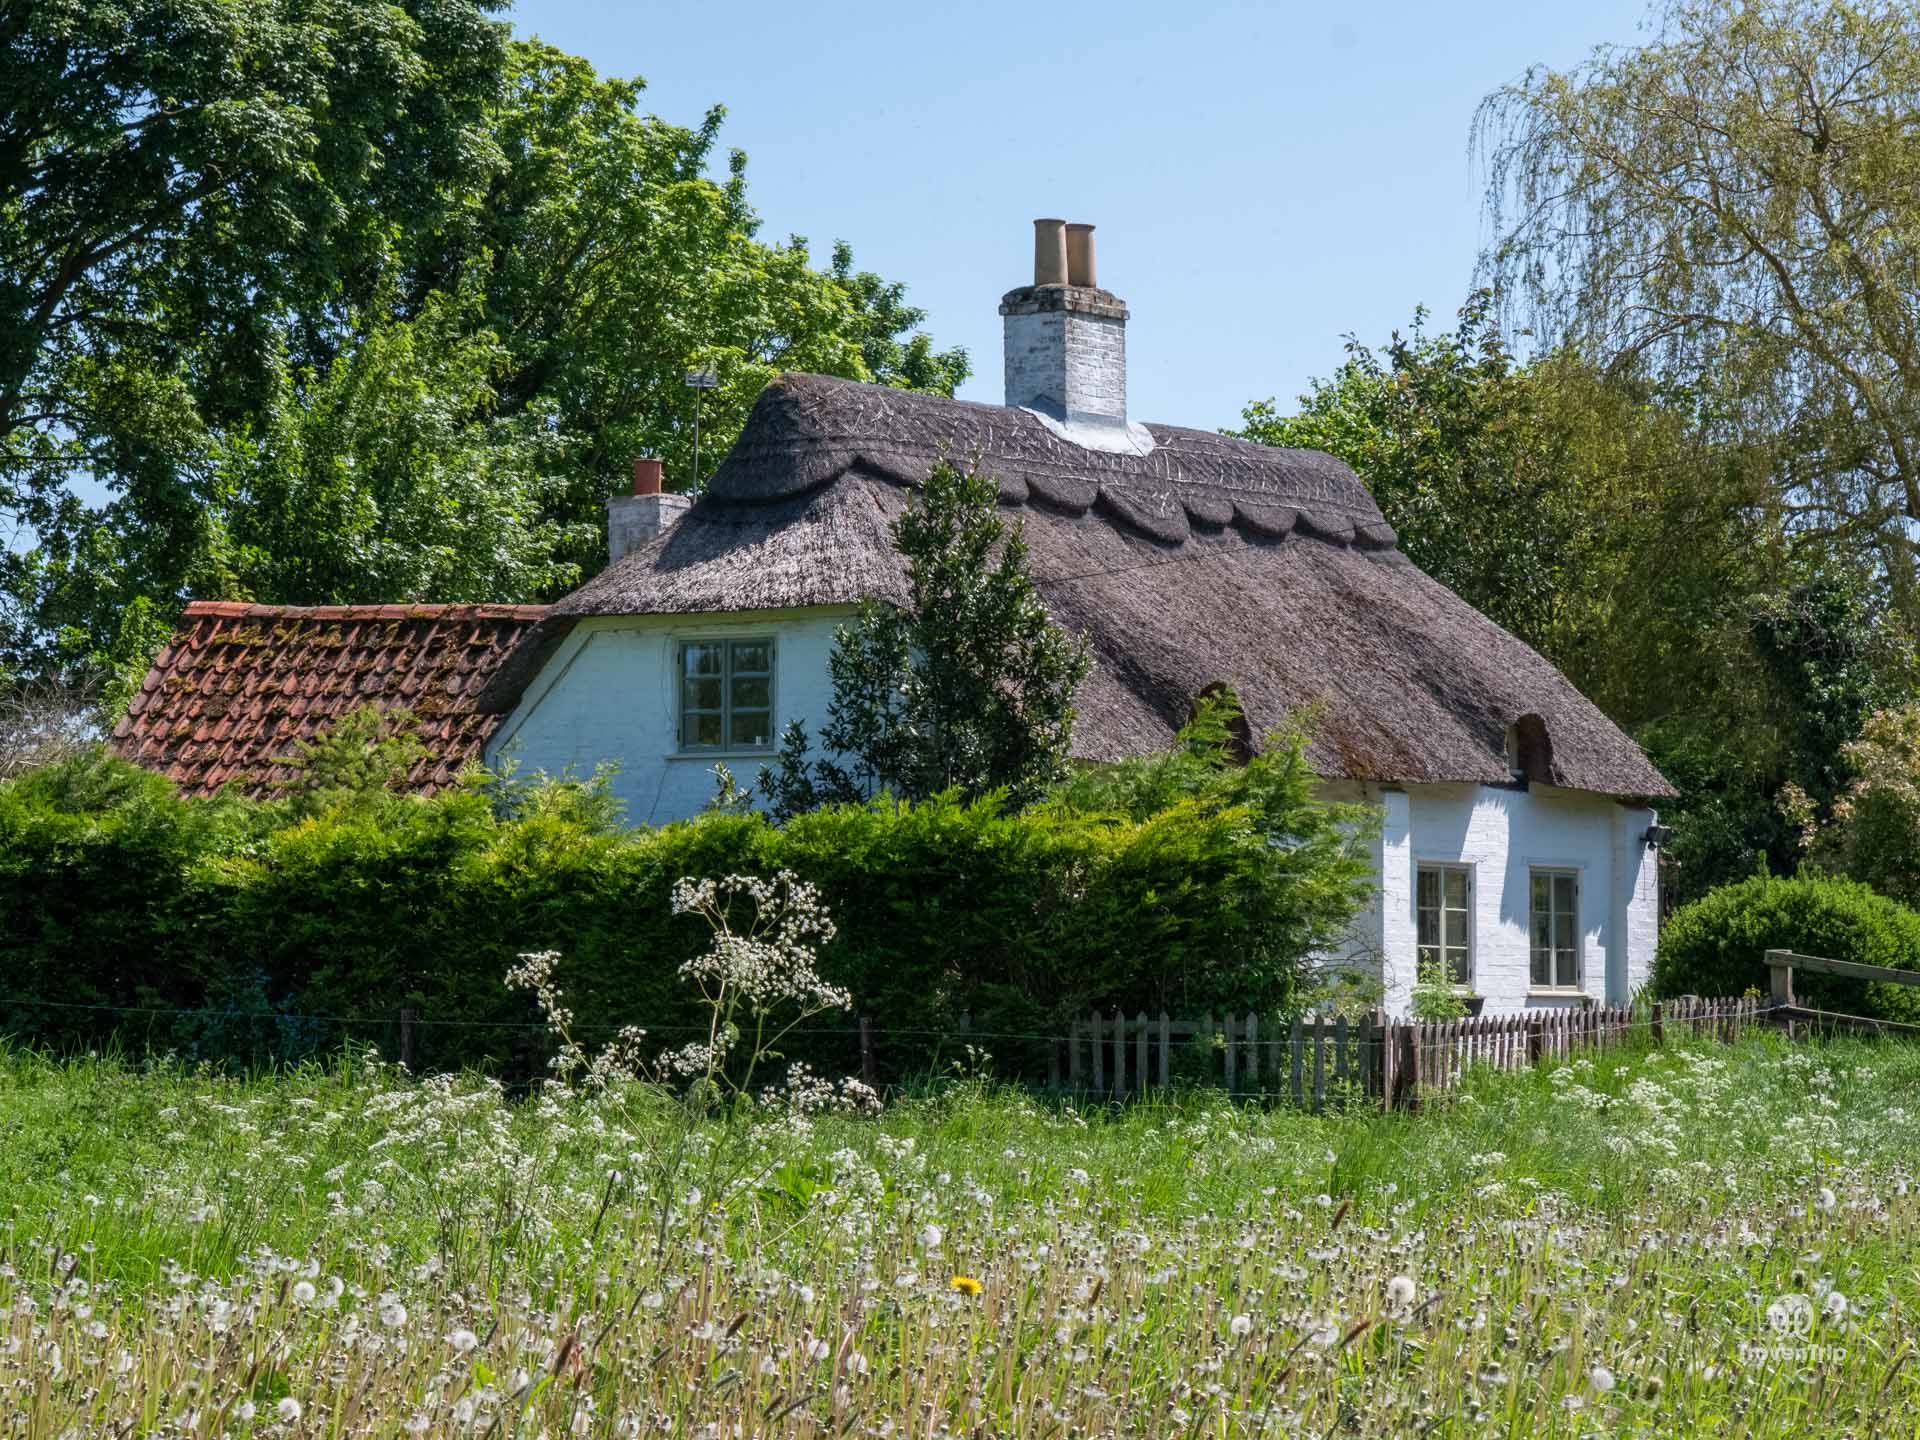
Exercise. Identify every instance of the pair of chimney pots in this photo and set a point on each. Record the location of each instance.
(1063, 254)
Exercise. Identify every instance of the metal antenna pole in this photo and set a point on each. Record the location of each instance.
(696, 381)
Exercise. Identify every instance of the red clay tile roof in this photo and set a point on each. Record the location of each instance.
(239, 685)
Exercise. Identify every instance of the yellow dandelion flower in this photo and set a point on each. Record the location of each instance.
(967, 1285)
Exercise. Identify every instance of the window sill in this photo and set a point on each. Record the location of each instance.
(712, 755)
(1555, 992)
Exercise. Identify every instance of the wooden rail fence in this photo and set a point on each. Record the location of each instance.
(1788, 1010)
(1368, 1059)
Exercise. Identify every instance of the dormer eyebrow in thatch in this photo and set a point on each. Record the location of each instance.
(1207, 560)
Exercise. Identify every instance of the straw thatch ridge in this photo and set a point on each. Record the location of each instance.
(1208, 561)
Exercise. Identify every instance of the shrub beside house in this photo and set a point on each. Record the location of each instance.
(130, 913)
(1516, 850)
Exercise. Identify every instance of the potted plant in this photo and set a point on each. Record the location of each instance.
(1435, 996)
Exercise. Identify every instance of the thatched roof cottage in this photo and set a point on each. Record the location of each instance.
(1518, 844)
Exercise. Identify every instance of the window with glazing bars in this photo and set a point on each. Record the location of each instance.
(1444, 905)
(1556, 930)
(726, 695)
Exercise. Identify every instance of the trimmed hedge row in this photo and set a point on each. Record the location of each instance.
(1716, 945)
(266, 932)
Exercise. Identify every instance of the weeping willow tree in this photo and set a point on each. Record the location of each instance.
(1736, 206)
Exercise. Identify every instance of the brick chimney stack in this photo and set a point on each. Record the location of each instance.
(1066, 338)
(633, 520)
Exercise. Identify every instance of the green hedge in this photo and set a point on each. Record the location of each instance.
(263, 932)
(1715, 946)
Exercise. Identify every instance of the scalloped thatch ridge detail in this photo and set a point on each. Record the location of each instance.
(1209, 560)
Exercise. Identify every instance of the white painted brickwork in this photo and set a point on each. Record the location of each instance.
(632, 520)
(1066, 354)
(612, 692)
(1499, 835)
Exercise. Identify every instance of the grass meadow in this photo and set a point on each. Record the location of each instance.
(1701, 1239)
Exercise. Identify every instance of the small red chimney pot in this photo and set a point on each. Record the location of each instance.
(646, 475)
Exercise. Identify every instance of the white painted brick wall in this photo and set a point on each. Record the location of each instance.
(1068, 364)
(632, 520)
(612, 692)
(1501, 835)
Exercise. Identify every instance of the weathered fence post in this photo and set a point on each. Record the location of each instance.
(1119, 1052)
(1232, 1073)
(1536, 1039)
(1382, 1037)
(408, 1016)
(1411, 1047)
(866, 1049)
(1659, 1027)
(1780, 982)
(1319, 1063)
(1253, 1053)
(1296, 1048)
(1142, 1077)
(1099, 1060)
(1166, 1048)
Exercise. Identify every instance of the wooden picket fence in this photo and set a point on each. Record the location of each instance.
(1369, 1059)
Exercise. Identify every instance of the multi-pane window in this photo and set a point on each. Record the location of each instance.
(1443, 903)
(726, 695)
(1556, 930)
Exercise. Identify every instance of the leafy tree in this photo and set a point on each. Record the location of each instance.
(883, 318)
(1766, 754)
(1737, 204)
(611, 265)
(367, 305)
(967, 687)
(368, 750)
(176, 179)
(1618, 526)
(1590, 514)
(1872, 833)
(387, 475)
(1447, 432)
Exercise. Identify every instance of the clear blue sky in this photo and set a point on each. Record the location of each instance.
(1265, 177)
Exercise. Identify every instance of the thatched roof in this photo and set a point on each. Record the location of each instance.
(1208, 560)
(239, 686)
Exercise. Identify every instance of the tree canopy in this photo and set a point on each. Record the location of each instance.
(305, 301)
(1737, 205)
(1582, 511)
(968, 688)
(1609, 518)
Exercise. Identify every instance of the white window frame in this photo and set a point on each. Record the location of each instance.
(1443, 868)
(1555, 983)
(727, 645)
